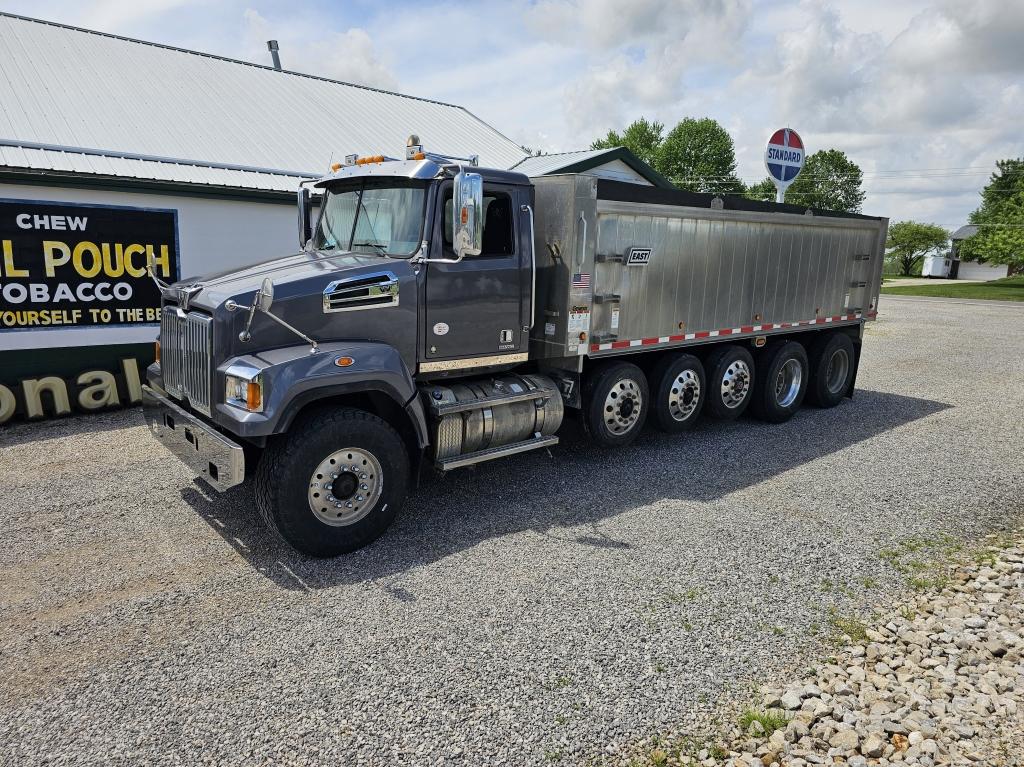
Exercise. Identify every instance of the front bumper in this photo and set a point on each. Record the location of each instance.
(206, 451)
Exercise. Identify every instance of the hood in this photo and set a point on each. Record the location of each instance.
(299, 284)
(301, 273)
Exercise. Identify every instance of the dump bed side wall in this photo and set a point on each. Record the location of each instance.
(709, 272)
(717, 270)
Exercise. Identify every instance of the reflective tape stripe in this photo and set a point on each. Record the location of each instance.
(744, 330)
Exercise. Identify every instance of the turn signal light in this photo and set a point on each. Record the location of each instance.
(344, 362)
(253, 396)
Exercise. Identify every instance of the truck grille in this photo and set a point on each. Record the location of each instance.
(186, 351)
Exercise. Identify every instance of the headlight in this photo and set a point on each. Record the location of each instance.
(244, 392)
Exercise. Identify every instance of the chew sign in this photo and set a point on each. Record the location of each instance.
(65, 264)
(784, 159)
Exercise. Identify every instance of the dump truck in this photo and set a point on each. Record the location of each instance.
(440, 314)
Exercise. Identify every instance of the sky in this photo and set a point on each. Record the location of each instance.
(924, 95)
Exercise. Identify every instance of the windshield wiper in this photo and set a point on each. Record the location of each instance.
(382, 249)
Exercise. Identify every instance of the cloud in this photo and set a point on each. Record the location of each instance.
(896, 85)
(348, 55)
(636, 55)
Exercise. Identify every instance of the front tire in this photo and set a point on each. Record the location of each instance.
(334, 483)
(730, 371)
(679, 393)
(616, 400)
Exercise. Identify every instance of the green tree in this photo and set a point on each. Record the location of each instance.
(642, 137)
(699, 155)
(763, 190)
(1000, 219)
(910, 241)
(829, 181)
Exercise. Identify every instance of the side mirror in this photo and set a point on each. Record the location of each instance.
(265, 298)
(305, 225)
(467, 209)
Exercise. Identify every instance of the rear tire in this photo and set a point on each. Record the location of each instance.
(832, 367)
(679, 392)
(615, 404)
(730, 380)
(782, 381)
(334, 483)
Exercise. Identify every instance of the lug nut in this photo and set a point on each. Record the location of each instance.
(348, 505)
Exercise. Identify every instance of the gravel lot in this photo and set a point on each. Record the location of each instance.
(533, 610)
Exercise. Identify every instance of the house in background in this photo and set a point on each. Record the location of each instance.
(971, 270)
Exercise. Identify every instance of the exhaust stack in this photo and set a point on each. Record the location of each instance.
(272, 47)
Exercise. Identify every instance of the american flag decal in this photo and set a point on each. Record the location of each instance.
(581, 281)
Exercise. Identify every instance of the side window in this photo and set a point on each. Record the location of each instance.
(499, 238)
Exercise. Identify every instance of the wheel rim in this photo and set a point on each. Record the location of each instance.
(787, 383)
(735, 384)
(684, 396)
(623, 405)
(837, 370)
(345, 486)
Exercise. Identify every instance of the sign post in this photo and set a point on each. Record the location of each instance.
(784, 159)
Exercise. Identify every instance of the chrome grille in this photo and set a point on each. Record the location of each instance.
(186, 351)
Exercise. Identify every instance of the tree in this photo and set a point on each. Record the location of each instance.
(829, 181)
(1000, 219)
(762, 190)
(641, 137)
(910, 241)
(699, 155)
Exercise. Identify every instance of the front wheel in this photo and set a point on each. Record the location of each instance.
(334, 483)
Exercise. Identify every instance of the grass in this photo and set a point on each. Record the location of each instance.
(851, 627)
(1006, 289)
(770, 721)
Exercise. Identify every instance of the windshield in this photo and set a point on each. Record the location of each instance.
(380, 216)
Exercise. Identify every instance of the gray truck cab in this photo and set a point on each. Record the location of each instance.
(413, 271)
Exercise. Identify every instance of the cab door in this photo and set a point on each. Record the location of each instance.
(474, 312)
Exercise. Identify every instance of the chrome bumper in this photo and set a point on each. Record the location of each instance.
(207, 452)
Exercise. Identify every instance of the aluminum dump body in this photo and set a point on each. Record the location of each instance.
(623, 267)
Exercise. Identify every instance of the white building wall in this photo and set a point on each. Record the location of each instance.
(213, 234)
(972, 270)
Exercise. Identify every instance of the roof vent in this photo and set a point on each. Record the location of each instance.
(273, 48)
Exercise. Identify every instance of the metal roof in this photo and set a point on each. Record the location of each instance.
(84, 102)
(964, 232)
(586, 159)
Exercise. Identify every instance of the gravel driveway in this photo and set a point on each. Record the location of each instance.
(535, 610)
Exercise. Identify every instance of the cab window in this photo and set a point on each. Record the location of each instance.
(499, 238)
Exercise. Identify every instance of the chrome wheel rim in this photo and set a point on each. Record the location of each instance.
(622, 406)
(345, 486)
(837, 371)
(787, 382)
(735, 384)
(684, 396)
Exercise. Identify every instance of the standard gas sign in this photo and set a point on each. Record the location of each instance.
(70, 265)
(784, 158)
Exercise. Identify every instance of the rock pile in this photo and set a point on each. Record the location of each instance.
(941, 684)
